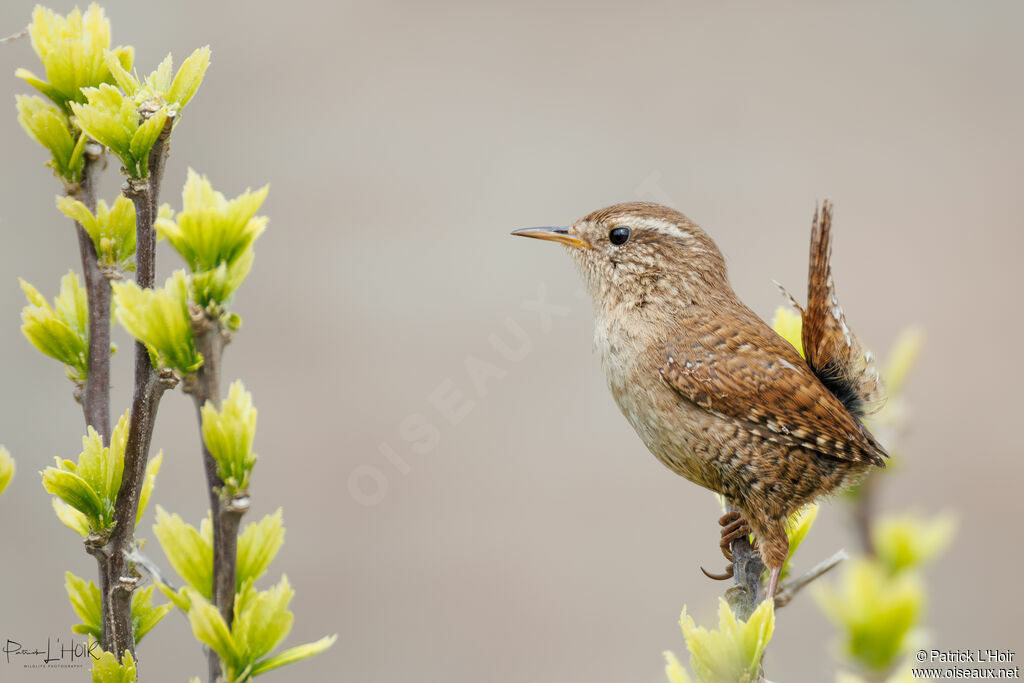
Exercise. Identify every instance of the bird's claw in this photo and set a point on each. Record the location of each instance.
(734, 527)
(727, 574)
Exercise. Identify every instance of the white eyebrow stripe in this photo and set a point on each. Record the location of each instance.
(667, 226)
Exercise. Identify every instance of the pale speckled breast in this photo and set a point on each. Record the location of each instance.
(665, 422)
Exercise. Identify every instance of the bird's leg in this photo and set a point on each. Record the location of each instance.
(733, 527)
(775, 573)
(775, 550)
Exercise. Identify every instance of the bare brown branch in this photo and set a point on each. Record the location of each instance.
(119, 577)
(211, 338)
(95, 398)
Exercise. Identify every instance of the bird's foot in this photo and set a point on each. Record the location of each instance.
(734, 527)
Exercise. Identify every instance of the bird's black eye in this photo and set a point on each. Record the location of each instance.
(619, 236)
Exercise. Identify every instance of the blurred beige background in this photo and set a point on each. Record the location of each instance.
(536, 540)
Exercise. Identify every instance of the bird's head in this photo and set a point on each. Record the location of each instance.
(642, 255)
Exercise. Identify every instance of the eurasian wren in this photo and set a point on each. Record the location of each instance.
(712, 390)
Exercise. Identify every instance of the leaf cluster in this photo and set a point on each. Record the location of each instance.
(130, 117)
(214, 236)
(159, 318)
(261, 619)
(111, 228)
(86, 491)
(228, 434)
(733, 652)
(60, 331)
(95, 94)
(86, 601)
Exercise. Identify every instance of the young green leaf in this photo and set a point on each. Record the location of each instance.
(209, 627)
(76, 492)
(300, 652)
(215, 287)
(902, 358)
(188, 550)
(7, 470)
(189, 77)
(112, 119)
(158, 87)
(123, 78)
(106, 669)
(85, 600)
(61, 331)
(214, 236)
(144, 615)
(877, 611)
(674, 671)
(91, 485)
(262, 620)
(49, 126)
(71, 517)
(159, 318)
(159, 81)
(145, 137)
(112, 230)
(228, 434)
(103, 466)
(258, 544)
(799, 524)
(888, 422)
(910, 540)
(152, 469)
(734, 651)
(88, 488)
(73, 52)
(789, 325)
(179, 597)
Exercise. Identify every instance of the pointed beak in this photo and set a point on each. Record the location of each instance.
(556, 234)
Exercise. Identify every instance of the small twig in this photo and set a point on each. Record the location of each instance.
(746, 594)
(158, 160)
(15, 36)
(204, 386)
(864, 512)
(96, 396)
(789, 590)
(152, 569)
(146, 564)
(120, 578)
(225, 550)
(145, 237)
